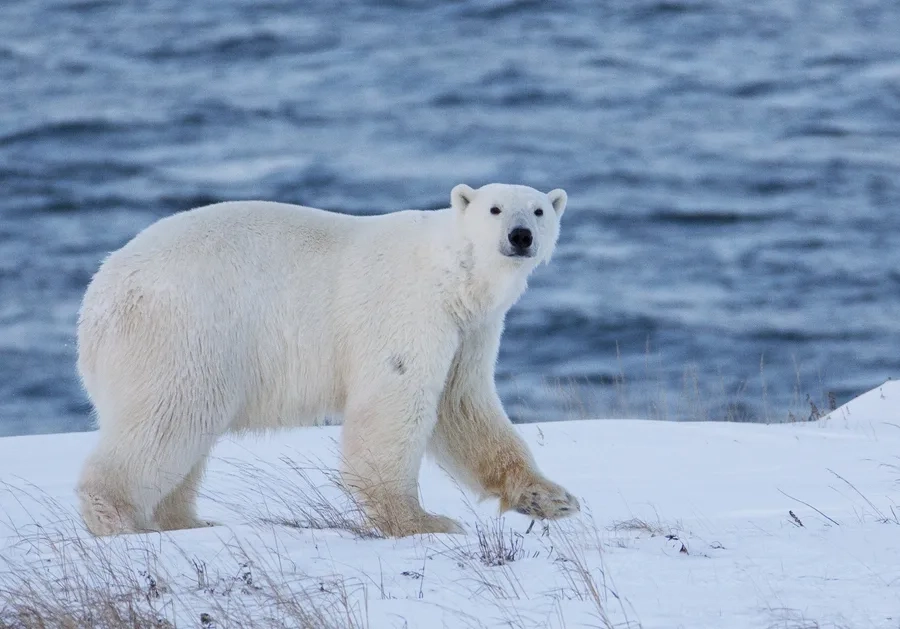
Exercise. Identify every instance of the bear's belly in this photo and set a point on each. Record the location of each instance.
(298, 381)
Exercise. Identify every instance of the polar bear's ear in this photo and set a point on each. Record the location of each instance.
(461, 196)
(558, 198)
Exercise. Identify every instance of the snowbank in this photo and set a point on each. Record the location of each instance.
(686, 525)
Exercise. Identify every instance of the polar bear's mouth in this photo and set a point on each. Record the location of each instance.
(517, 253)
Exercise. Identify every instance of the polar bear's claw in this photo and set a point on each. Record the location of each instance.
(547, 501)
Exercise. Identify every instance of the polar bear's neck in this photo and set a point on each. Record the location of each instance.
(475, 291)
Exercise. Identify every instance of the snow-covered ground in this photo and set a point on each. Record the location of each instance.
(691, 525)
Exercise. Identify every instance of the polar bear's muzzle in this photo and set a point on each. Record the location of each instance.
(520, 241)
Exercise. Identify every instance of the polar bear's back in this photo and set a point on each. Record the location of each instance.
(239, 231)
(235, 292)
(226, 256)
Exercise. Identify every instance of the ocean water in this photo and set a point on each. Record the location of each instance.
(732, 241)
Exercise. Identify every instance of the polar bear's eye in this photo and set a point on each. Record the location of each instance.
(495, 210)
(539, 212)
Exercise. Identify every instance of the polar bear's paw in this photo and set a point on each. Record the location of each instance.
(545, 500)
(440, 524)
(107, 517)
(420, 524)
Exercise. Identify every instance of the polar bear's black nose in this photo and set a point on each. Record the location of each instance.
(520, 238)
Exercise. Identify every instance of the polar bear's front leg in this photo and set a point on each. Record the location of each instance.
(476, 442)
(385, 434)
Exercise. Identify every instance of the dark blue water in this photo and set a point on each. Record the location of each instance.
(733, 170)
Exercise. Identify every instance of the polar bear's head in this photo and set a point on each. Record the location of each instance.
(508, 223)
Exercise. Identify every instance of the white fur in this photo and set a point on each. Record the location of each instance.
(254, 315)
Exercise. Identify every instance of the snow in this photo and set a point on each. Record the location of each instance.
(684, 525)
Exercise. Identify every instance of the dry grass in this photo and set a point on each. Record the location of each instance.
(73, 600)
(53, 575)
(110, 591)
(654, 529)
(307, 495)
(56, 576)
(571, 540)
(654, 391)
(487, 561)
(496, 546)
(787, 618)
(313, 496)
(564, 546)
(881, 516)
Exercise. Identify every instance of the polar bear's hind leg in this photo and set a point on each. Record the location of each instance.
(146, 469)
(178, 510)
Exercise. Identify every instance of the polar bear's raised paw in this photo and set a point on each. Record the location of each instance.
(546, 500)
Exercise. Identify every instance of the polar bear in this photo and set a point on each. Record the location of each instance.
(252, 316)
